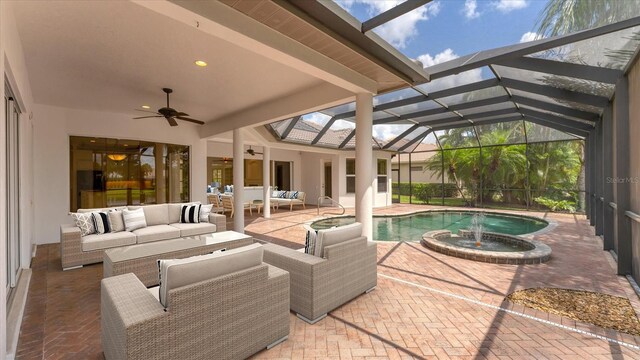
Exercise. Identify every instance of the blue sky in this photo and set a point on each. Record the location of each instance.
(452, 27)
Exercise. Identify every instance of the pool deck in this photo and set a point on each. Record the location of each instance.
(427, 305)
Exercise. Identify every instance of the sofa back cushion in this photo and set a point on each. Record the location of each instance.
(176, 273)
(154, 214)
(336, 235)
(120, 208)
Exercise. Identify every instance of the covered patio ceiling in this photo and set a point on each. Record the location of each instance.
(561, 84)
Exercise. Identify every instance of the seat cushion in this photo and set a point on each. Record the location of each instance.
(107, 241)
(155, 291)
(156, 232)
(336, 235)
(176, 273)
(195, 229)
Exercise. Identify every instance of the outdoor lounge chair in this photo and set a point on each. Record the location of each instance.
(241, 309)
(345, 268)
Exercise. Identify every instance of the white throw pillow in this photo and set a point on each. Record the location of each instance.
(134, 219)
(116, 221)
(85, 222)
(204, 212)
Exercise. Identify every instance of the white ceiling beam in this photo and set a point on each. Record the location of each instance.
(302, 102)
(220, 20)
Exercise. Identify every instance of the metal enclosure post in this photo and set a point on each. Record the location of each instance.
(599, 180)
(622, 176)
(587, 177)
(607, 177)
(410, 183)
(592, 178)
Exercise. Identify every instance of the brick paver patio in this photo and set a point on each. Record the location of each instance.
(426, 305)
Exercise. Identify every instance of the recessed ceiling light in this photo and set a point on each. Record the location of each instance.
(201, 63)
(146, 107)
(126, 145)
(92, 141)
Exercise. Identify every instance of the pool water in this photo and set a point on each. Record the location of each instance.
(411, 227)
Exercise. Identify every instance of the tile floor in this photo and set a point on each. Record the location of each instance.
(427, 305)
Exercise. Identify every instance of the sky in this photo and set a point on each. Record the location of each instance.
(445, 29)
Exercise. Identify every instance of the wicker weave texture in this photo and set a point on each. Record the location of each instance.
(229, 317)
(71, 253)
(319, 285)
(146, 268)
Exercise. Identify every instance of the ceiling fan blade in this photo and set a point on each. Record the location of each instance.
(190, 119)
(146, 117)
(172, 121)
(180, 113)
(147, 111)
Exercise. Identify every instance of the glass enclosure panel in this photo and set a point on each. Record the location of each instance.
(504, 176)
(557, 81)
(386, 132)
(540, 133)
(463, 78)
(304, 132)
(394, 96)
(340, 109)
(280, 126)
(412, 108)
(482, 109)
(116, 172)
(459, 138)
(336, 133)
(402, 143)
(557, 115)
(618, 47)
(481, 94)
(501, 133)
(579, 106)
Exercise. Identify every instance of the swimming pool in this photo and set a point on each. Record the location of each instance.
(411, 227)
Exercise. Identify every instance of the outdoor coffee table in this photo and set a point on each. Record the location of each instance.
(141, 259)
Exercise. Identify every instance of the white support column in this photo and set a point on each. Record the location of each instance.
(364, 159)
(266, 182)
(238, 180)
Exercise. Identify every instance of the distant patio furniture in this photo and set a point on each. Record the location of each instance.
(226, 305)
(344, 268)
(287, 199)
(227, 204)
(214, 199)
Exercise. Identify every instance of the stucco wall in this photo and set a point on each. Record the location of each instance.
(52, 128)
(634, 154)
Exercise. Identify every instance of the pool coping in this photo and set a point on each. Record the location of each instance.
(551, 224)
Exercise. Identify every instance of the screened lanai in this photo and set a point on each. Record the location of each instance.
(520, 96)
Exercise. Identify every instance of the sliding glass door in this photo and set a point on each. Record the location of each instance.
(12, 115)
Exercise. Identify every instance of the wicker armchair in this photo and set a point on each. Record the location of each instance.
(229, 317)
(346, 270)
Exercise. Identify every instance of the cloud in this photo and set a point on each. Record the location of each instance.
(506, 6)
(465, 77)
(398, 31)
(529, 36)
(470, 9)
(318, 118)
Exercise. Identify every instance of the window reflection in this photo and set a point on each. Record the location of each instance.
(116, 172)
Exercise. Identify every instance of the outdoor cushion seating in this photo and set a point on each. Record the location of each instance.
(232, 314)
(163, 223)
(346, 269)
(286, 198)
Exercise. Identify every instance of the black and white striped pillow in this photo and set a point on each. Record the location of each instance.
(190, 214)
(101, 222)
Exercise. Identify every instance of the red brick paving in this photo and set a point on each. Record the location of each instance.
(396, 321)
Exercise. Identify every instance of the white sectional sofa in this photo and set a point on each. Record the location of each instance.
(287, 199)
(163, 223)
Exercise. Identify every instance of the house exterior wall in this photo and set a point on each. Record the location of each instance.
(634, 171)
(418, 175)
(52, 129)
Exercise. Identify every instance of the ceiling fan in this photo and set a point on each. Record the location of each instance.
(169, 113)
(252, 152)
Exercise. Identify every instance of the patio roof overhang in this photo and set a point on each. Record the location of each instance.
(563, 83)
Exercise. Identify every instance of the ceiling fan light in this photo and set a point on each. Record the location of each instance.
(201, 63)
(117, 157)
(146, 107)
